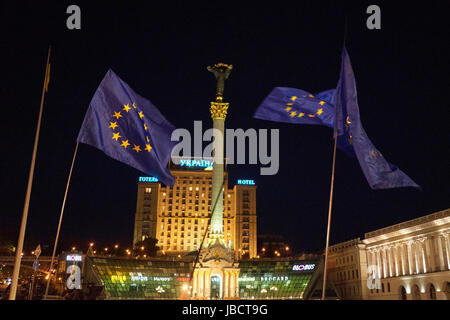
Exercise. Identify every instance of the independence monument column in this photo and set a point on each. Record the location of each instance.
(218, 113)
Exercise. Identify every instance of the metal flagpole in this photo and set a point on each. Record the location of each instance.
(331, 192)
(15, 277)
(59, 224)
(329, 219)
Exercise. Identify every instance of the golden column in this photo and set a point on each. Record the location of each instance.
(218, 111)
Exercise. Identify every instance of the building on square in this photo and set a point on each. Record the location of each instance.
(406, 261)
(178, 216)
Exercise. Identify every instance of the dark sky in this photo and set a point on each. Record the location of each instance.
(162, 53)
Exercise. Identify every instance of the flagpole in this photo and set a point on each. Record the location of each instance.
(15, 277)
(59, 224)
(329, 218)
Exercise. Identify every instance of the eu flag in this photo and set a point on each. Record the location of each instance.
(297, 106)
(128, 128)
(352, 138)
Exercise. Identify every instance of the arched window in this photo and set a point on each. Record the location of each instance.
(416, 292)
(403, 293)
(432, 292)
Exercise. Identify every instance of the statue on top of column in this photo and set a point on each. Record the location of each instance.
(221, 71)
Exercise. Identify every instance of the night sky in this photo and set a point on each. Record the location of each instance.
(162, 52)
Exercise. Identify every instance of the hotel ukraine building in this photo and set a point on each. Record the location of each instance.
(178, 216)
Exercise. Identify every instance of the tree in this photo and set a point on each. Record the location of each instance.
(146, 247)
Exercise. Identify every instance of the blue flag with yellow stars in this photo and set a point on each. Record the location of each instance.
(293, 105)
(352, 138)
(128, 128)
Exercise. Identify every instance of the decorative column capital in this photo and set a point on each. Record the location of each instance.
(219, 110)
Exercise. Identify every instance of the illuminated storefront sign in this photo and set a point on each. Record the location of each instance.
(246, 279)
(118, 278)
(148, 179)
(246, 182)
(138, 277)
(265, 278)
(74, 257)
(162, 279)
(282, 278)
(303, 267)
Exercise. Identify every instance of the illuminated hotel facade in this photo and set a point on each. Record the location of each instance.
(407, 261)
(179, 216)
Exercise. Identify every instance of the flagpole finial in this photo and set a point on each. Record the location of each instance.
(221, 72)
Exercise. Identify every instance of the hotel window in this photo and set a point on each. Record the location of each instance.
(148, 190)
(356, 273)
(382, 287)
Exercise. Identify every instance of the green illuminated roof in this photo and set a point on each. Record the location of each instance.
(141, 279)
(275, 279)
(124, 278)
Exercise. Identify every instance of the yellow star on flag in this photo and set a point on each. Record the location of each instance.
(293, 113)
(322, 103)
(141, 115)
(301, 114)
(125, 144)
(145, 126)
(137, 148)
(113, 125)
(293, 98)
(311, 115)
(134, 105)
(373, 154)
(320, 111)
(287, 108)
(148, 147)
(117, 115)
(148, 140)
(126, 107)
(311, 96)
(116, 136)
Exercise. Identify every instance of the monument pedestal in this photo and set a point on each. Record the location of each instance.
(216, 277)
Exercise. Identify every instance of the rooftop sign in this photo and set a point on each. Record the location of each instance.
(303, 267)
(246, 182)
(73, 257)
(148, 179)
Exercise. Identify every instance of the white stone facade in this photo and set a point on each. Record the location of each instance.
(409, 261)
